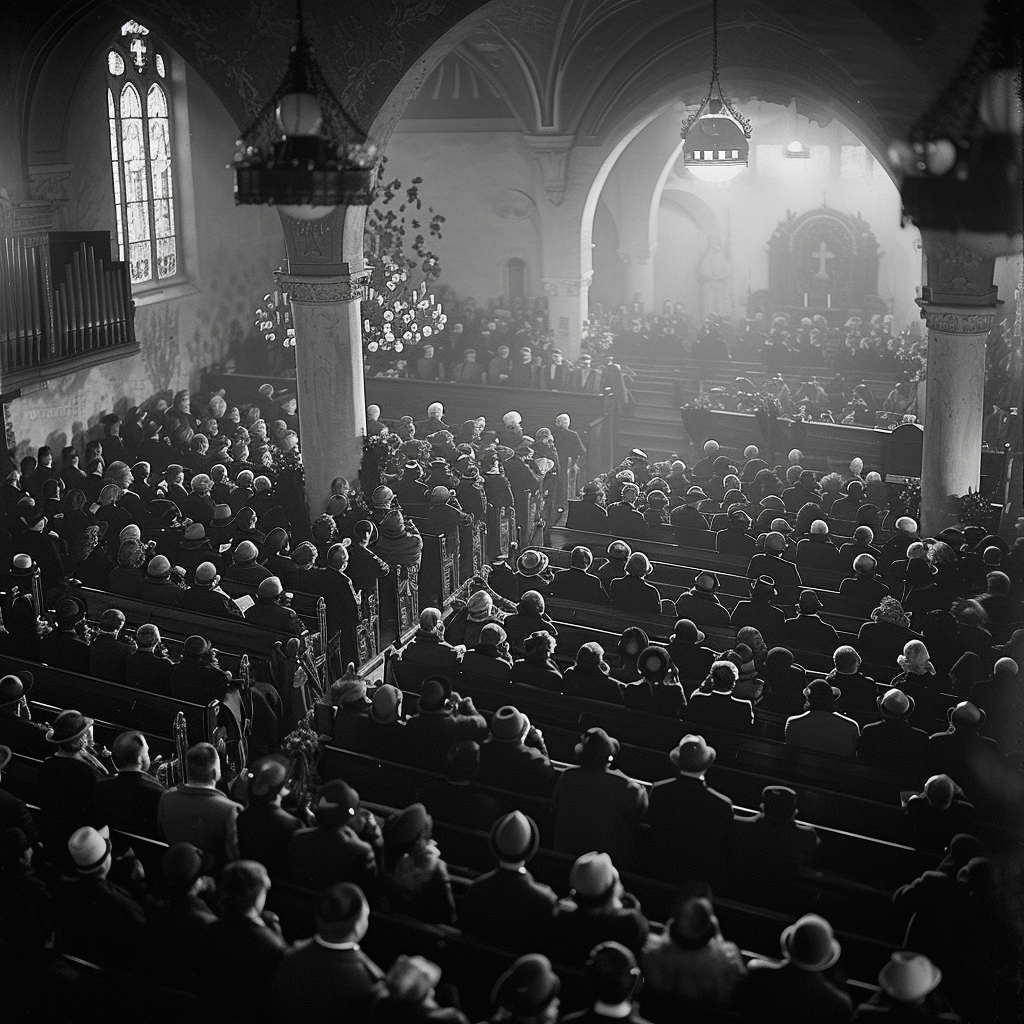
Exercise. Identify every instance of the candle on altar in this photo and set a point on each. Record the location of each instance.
(805, 300)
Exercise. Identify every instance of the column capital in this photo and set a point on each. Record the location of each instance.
(958, 319)
(324, 289)
(636, 257)
(570, 286)
(552, 152)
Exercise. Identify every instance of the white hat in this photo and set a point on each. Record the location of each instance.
(909, 977)
(89, 849)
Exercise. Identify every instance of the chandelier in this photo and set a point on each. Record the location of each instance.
(961, 163)
(303, 152)
(715, 137)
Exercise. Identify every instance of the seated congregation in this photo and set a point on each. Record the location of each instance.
(734, 743)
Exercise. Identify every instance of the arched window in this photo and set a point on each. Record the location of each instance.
(140, 154)
(515, 271)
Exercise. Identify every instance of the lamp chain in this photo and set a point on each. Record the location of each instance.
(714, 40)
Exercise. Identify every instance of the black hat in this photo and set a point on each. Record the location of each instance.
(14, 687)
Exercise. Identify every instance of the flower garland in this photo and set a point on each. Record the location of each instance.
(302, 746)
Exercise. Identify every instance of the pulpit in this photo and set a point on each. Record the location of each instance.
(826, 262)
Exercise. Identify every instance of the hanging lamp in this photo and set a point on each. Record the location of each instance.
(716, 137)
(303, 153)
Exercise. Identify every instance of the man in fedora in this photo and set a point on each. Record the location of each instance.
(17, 730)
(428, 653)
(340, 847)
(270, 612)
(700, 603)
(759, 612)
(773, 839)
(714, 704)
(527, 993)
(624, 520)
(442, 719)
(150, 667)
(198, 677)
(129, 800)
(938, 813)
(691, 823)
(264, 828)
(506, 907)
(64, 647)
(531, 573)
(771, 562)
(589, 513)
(821, 727)
(577, 583)
(907, 985)
(799, 983)
(102, 922)
(920, 592)
(692, 660)
(613, 566)
(109, 651)
(808, 631)
(330, 970)
(893, 742)
(514, 755)
(632, 591)
(158, 586)
(196, 811)
(963, 753)
(613, 982)
(598, 807)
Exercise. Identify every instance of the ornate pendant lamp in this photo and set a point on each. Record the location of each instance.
(961, 163)
(716, 138)
(303, 152)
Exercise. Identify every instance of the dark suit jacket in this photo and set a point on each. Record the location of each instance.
(149, 672)
(319, 857)
(24, 737)
(264, 832)
(810, 633)
(692, 828)
(765, 618)
(625, 521)
(507, 908)
(313, 983)
(108, 657)
(636, 594)
(702, 610)
(65, 650)
(210, 601)
(577, 585)
(587, 515)
(128, 801)
(721, 711)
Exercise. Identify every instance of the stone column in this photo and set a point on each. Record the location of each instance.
(638, 277)
(329, 371)
(567, 309)
(959, 306)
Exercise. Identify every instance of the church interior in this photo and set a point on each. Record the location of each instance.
(686, 683)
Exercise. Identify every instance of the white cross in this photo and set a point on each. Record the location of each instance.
(822, 255)
(138, 49)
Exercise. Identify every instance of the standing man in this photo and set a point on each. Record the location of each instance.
(586, 379)
(570, 449)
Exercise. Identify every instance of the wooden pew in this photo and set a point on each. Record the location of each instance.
(439, 569)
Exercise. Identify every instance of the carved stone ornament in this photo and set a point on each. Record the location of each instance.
(325, 290)
(959, 323)
(567, 286)
(635, 257)
(552, 152)
(511, 204)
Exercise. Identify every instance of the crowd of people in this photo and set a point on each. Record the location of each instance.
(170, 515)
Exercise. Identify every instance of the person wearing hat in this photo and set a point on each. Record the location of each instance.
(108, 650)
(270, 612)
(206, 597)
(864, 587)
(577, 583)
(264, 828)
(464, 626)
(613, 566)
(938, 813)
(245, 567)
(442, 719)
(921, 594)
(881, 640)
(17, 730)
(159, 585)
(816, 550)
(532, 572)
(536, 668)
(771, 562)
(365, 566)
(800, 983)
(415, 878)
(691, 823)
(527, 993)
(66, 779)
(590, 676)
(428, 653)
(807, 630)
(692, 660)
(758, 611)
(444, 515)
(514, 756)
(409, 489)
(598, 909)
(64, 647)
(688, 515)
(400, 542)
(821, 727)
(714, 702)
(589, 512)
(861, 544)
(530, 617)
(409, 993)
(893, 741)
(700, 603)
(1001, 697)
(658, 690)
(907, 990)
(525, 481)
(597, 806)
(198, 677)
(918, 679)
(101, 921)
(129, 800)
(963, 753)
(689, 965)
(331, 970)
(632, 591)
(490, 660)
(195, 548)
(624, 520)
(381, 732)
(150, 667)
(859, 692)
(773, 839)
(735, 537)
(586, 379)
(14, 813)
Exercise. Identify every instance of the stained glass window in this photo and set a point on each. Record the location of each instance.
(141, 156)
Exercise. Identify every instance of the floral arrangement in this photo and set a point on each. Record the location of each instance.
(274, 319)
(598, 337)
(907, 501)
(972, 509)
(302, 746)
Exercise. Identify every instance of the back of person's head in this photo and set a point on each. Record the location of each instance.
(863, 535)
(127, 749)
(612, 973)
(202, 764)
(341, 912)
(940, 790)
(242, 886)
(581, 558)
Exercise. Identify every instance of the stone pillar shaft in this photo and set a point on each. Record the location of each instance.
(329, 371)
(567, 309)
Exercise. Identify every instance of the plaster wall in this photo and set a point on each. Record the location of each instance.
(235, 251)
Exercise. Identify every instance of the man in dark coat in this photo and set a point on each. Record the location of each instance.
(444, 517)
(336, 849)
(506, 907)
(893, 742)
(859, 692)
(442, 719)
(64, 647)
(271, 613)
(128, 801)
(409, 487)
(773, 839)
(333, 584)
(157, 585)
(576, 583)
(264, 827)
(588, 513)
(771, 563)
(514, 755)
(692, 824)
(17, 730)
(808, 631)
(109, 651)
(198, 677)
(864, 587)
(717, 707)
(149, 667)
(364, 567)
(963, 753)
(206, 597)
(329, 971)
(759, 611)
(427, 653)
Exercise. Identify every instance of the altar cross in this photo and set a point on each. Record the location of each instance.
(822, 256)
(138, 48)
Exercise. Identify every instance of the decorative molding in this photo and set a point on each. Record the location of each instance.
(962, 320)
(50, 182)
(552, 153)
(511, 204)
(25, 217)
(324, 290)
(637, 257)
(569, 287)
